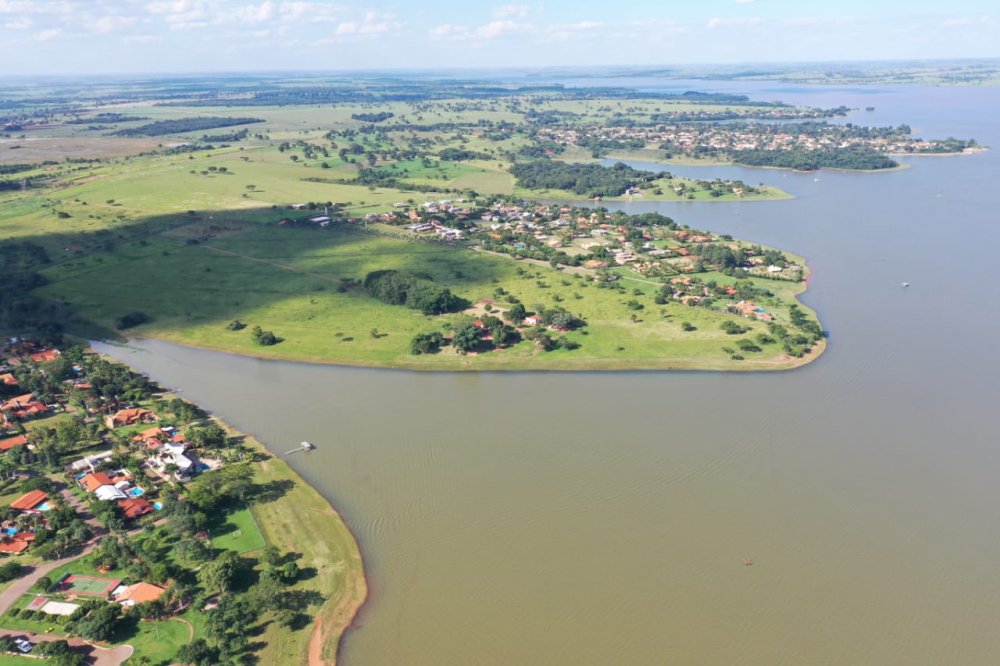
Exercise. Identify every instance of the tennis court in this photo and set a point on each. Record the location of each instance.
(87, 585)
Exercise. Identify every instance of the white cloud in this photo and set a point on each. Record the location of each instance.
(511, 11)
(716, 22)
(566, 31)
(20, 23)
(955, 22)
(107, 24)
(492, 30)
(261, 13)
(46, 35)
(142, 39)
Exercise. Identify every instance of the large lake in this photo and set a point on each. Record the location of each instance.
(602, 518)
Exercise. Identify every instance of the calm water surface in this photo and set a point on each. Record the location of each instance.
(602, 518)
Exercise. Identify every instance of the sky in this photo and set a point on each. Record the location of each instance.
(180, 36)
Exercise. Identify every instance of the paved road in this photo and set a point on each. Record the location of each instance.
(96, 655)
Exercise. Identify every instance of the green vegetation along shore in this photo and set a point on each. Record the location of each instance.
(137, 525)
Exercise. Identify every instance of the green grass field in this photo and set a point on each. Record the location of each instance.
(288, 281)
(239, 533)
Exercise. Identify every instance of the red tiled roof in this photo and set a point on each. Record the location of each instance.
(13, 547)
(141, 593)
(30, 500)
(95, 480)
(8, 444)
(45, 356)
(134, 507)
(19, 401)
(8, 379)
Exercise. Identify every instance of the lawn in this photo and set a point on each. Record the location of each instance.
(302, 521)
(239, 533)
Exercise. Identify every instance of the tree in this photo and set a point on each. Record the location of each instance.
(466, 338)
(426, 343)
(262, 337)
(220, 574)
(10, 571)
(516, 313)
(100, 624)
(198, 653)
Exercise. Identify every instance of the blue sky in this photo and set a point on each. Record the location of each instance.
(135, 36)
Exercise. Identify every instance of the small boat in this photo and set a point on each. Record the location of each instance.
(905, 285)
(308, 446)
(747, 562)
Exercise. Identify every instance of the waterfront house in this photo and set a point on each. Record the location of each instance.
(46, 356)
(127, 417)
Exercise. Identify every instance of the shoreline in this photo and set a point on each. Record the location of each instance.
(342, 602)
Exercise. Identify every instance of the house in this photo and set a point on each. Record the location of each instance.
(13, 546)
(32, 502)
(173, 453)
(46, 356)
(533, 320)
(89, 462)
(127, 417)
(23, 406)
(8, 379)
(91, 482)
(137, 593)
(11, 442)
(135, 507)
(105, 486)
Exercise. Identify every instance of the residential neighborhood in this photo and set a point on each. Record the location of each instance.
(106, 509)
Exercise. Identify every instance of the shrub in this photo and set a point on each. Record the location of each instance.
(131, 320)
(236, 325)
(426, 343)
(263, 338)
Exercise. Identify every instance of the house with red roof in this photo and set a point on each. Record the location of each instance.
(46, 356)
(137, 593)
(127, 417)
(12, 442)
(30, 502)
(135, 507)
(8, 379)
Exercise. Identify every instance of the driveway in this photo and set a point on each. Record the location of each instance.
(95, 655)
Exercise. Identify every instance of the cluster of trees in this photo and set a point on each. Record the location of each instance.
(181, 125)
(131, 320)
(810, 160)
(379, 117)
(19, 309)
(426, 343)
(461, 155)
(583, 179)
(263, 338)
(108, 117)
(420, 293)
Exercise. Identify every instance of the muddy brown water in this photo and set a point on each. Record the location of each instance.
(585, 518)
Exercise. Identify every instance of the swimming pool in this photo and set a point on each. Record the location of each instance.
(11, 530)
(136, 492)
(44, 506)
(157, 506)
